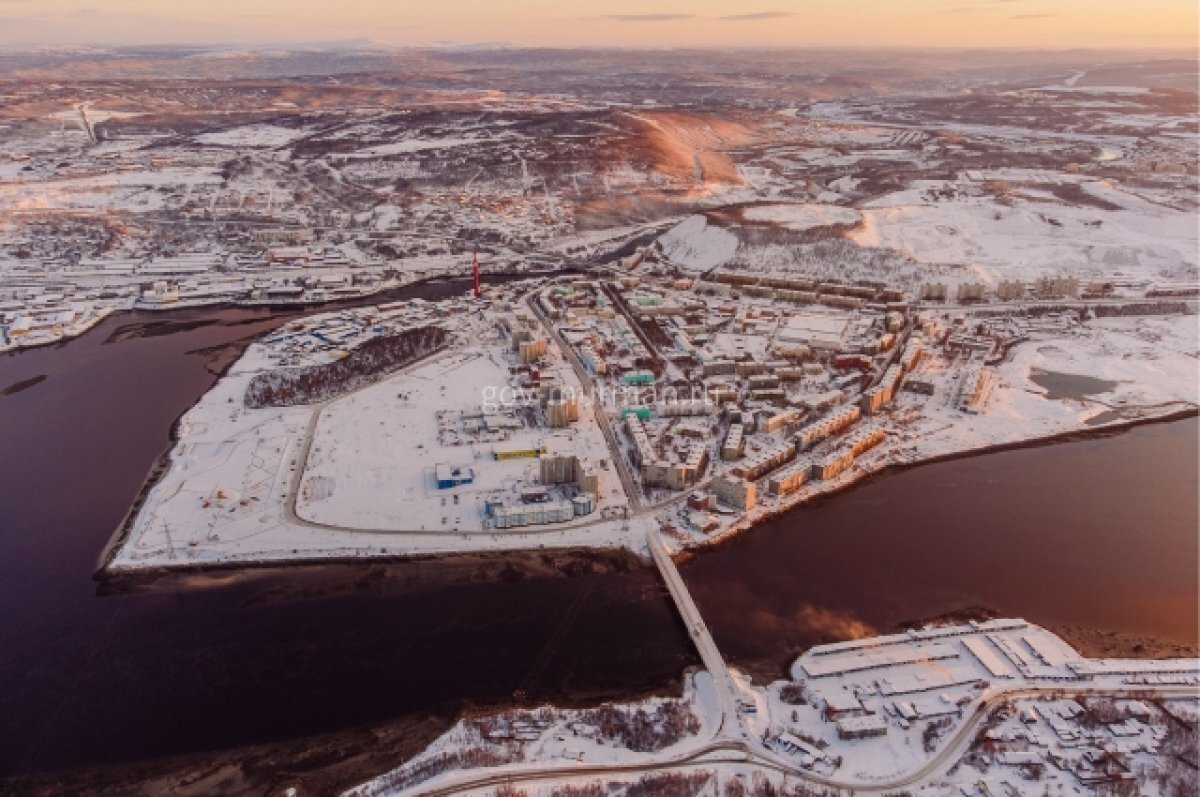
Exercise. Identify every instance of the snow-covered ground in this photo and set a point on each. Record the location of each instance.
(142, 190)
(802, 217)
(412, 145)
(696, 245)
(237, 488)
(372, 461)
(354, 477)
(608, 735)
(950, 710)
(1151, 363)
(1028, 236)
(258, 136)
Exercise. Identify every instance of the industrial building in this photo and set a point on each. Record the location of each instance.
(975, 388)
(862, 727)
(637, 378)
(449, 476)
(818, 331)
(502, 454)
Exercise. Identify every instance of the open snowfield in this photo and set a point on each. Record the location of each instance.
(413, 145)
(372, 460)
(1030, 237)
(696, 245)
(260, 136)
(801, 217)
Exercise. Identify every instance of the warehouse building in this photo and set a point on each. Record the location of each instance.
(449, 476)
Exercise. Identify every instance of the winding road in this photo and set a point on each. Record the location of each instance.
(720, 751)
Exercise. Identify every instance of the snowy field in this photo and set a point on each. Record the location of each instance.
(374, 453)
(414, 145)
(1029, 236)
(141, 190)
(802, 217)
(260, 136)
(696, 245)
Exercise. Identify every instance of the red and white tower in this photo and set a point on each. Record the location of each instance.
(475, 272)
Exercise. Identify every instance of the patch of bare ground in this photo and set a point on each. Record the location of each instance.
(693, 147)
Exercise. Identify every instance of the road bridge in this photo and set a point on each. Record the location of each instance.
(729, 726)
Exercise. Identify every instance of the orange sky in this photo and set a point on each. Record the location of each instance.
(659, 23)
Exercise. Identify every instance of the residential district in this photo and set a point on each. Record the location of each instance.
(583, 409)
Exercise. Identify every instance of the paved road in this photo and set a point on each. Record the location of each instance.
(632, 491)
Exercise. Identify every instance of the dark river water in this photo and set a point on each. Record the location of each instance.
(1099, 533)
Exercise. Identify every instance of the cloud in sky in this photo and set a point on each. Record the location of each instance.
(757, 15)
(670, 16)
(1032, 16)
(662, 17)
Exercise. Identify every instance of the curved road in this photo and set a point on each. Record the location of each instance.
(719, 752)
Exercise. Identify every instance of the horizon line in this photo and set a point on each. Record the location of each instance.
(366, 44)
